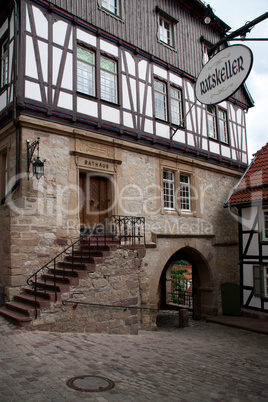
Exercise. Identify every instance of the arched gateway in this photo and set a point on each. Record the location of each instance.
(198, 252)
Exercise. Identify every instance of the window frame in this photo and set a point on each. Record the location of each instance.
(185, 188)
(116, 11)
(113, 75)
(165, 113)
(260, 281)
(264, 226)
(4, 61)
(93, 65)
(213, 117)
(171, 21)
(169, 196)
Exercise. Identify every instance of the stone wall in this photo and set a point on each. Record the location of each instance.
(105, 297)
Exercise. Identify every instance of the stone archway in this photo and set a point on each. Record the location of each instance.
(203, 288)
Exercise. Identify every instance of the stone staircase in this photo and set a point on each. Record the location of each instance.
(58, 280)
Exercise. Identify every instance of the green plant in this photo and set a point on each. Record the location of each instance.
(179, 282)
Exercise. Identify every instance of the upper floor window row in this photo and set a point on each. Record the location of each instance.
(166, 28)
(168, 102)
(86, 75)
(217, 123)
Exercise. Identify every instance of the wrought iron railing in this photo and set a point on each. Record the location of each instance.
(117, 229)
(182, 298)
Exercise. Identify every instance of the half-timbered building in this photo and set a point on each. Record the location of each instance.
(249, 205)
(101, 94)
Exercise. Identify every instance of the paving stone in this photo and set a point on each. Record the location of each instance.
(203, 362)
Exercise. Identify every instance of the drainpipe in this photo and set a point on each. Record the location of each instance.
(15, 92)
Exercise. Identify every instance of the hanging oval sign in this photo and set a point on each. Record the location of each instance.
(223, 74)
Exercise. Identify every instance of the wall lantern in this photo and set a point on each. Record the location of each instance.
(38, 165)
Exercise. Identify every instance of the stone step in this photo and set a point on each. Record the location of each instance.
(30, 299)
(58, 280)
(50, 285)
(77, 266)
(48, 295)
(85, 259)
(67, 272)
(15, 317)
(22, 308)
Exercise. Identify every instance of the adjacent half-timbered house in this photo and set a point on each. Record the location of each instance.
(101, 95)
(250, 199)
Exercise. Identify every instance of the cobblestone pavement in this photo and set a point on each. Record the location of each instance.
(203, 362)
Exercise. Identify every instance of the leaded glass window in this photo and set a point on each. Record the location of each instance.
(185, 193)
(176, 106)
(85, 71)
(108, 72)
(168, 186)
(160, 100)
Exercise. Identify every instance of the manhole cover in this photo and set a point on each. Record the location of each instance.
(90, 383)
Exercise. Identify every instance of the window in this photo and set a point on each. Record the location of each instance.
(166, 24)
(108, 72)
(176, 105)
(222, 125)
(217, 124)
(168, 185)
(185, 193)
(4, 63)
(113, 6)
(211, 122)
(205, 54)
(85, 71)
(265, 225)
(165, 31)
(160, 100)
(260, 275)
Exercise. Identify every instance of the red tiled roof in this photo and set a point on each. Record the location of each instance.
(254, 184)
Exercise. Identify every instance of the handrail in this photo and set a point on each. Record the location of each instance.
(126, 230)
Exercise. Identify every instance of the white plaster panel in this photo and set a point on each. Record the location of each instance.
(30, 68)
(175, 79)
(109, 48)
(141, 90)
(254, 244)
(214, 147)
(126, 100)
(3, 100)
(28, 27)
(134, 92)
(148, 126)
(59, 32)
(88, 107)
(246, 294)
(86, 38)
(190, 139)
(248, 275)
(3, 28)
(160, 72)
(57, 54)
(11, 93)
(248, 217)
(204, 144)
(244, 158)
(43, 51)
(255, 302)
(11, 26)
(65, 100)
(190, 89)
(149, 106)
(179, 136)
(67, 79)
(130, 63)
(233, 154)
(265, 250)
(162, 130)
(41, 23)
(232, 136)
(110, 114)
(32, 91)
(142, 69)
(225, 151)
(128, 121)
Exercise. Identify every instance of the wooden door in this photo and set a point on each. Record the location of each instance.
(94, 209)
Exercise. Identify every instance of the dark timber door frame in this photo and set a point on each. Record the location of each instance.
(94, 202)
